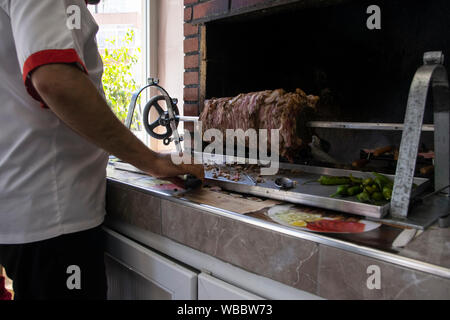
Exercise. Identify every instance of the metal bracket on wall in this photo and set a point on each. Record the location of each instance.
(431, 75)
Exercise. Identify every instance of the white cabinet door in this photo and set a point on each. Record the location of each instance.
(210, 288)
(137, 273)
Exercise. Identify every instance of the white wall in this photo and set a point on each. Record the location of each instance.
(170, 52)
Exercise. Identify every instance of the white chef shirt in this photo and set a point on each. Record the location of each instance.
(52, 181)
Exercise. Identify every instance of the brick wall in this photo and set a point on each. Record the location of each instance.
(191, 63)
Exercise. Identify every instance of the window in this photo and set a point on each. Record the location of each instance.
(155, 49)
(122, 43)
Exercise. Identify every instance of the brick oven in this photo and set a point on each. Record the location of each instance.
(323, 47)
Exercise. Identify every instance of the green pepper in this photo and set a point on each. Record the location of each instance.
(385, 181)
(354, 190)
(363, 197)
(355, 180)
(334, 181)
(331, 181)
(379, 182)
(370, 189)
(367, 182)
(387, 193)
(377, 196)
(341, 191)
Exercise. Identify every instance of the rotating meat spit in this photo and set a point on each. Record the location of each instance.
(431, 75)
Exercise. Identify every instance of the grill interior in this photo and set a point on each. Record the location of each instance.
(360, 74)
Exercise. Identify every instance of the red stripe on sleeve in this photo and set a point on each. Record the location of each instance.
(44, 57)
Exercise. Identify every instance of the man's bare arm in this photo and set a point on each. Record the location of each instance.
(71, 95)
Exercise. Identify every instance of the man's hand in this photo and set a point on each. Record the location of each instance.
(196, 170)
(72, 96)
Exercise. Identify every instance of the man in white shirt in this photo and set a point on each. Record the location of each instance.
(56, 130)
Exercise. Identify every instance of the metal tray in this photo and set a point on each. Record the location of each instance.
(313, 194)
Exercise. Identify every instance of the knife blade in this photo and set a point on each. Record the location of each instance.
(404, 238)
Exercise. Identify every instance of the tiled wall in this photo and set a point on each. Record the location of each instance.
(306, 265)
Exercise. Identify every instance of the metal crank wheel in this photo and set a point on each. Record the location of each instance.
(162, 121)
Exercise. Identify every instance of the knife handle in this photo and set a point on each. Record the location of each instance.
(191, 181)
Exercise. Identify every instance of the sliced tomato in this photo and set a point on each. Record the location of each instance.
(336, 226)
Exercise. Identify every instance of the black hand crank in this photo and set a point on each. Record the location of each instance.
(162, 121)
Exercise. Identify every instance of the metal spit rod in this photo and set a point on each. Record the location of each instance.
(187, 119)
(364, 125)
(343, 125)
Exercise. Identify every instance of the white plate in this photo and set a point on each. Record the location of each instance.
(297, 214)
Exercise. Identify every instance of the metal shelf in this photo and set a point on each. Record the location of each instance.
(364, 126)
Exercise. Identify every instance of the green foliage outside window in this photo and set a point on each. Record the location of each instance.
(118, 82)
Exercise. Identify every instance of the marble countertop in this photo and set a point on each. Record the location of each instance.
(298, 258)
